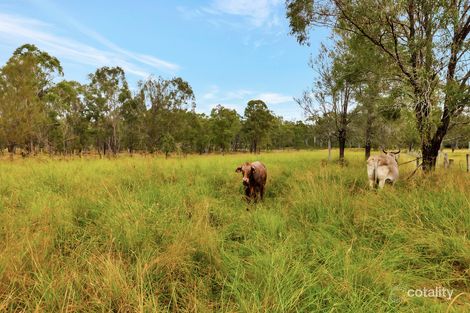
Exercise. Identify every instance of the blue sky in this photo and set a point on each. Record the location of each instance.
(230, 51)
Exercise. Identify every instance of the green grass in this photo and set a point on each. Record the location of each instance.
(146, 234)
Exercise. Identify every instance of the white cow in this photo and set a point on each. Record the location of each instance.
(382, 169)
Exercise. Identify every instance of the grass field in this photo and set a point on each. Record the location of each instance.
(145, 234)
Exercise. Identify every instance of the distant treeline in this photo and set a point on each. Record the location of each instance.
(40, 113)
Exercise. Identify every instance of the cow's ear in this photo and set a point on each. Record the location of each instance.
(253, 169)
(238, 170)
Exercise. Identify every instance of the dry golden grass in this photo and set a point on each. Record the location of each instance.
(145, 234)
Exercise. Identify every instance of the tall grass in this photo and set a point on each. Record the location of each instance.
(145, 234)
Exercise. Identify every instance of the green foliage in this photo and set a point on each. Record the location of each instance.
(39, 114)
(106, 94)
(68, 116)
(225, 126)
(423, 43)
(166, 101)
(168, 144)
(24, 83)
(133, 113)
(258, 121)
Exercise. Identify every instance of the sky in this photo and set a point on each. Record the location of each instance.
(230, 51)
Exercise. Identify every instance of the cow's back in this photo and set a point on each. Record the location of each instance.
(387, 167)
(260, 175)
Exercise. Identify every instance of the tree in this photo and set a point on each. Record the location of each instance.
(258, 121)
(68, 116)
(168, 144)
(333, 91)
(202, 137)
(459, 132)
(108, 91)
(303, 135)
(375, 88)
(282, 133)
(133, 114)
(164, 98)
(225, 124)
(426, 41)
(24, 82)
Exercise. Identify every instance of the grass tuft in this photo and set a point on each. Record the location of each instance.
(149, 234)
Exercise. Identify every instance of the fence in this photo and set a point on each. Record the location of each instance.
(447, 162)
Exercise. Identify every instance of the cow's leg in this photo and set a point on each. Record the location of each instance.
(261, 192)
(255, 193)
(248, 194)
(252, 193)
(381, 183)
(370, 175)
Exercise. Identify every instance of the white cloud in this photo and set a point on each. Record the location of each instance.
(238, 94)
(17, 30)
(214, 94)
(274, 98)
(258, 12)
(252, 13)
(155, 62)
(211, 94)
(189, 13)
(279, 103)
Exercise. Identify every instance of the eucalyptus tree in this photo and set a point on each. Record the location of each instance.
(68, 116)
(107, 92)
(282, 133)
(24, 81)
(427, 43)
(168, 144)
(374, 86)
(133, 113)
(163, 99)
(332, 93)
(202, 138)
(258, 121)
(225, 125)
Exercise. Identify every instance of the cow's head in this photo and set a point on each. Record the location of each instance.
(393, 154)
(247, 170)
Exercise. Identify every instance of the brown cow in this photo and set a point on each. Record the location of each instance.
(254, 179)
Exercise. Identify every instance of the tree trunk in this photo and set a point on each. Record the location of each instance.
(31, 147)
(11, 149)
(368, 141)
(342, 144)
(329, 148)
(410, 147)
(367, 150)
(429, 156)
(114, 140)
(430, 146)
